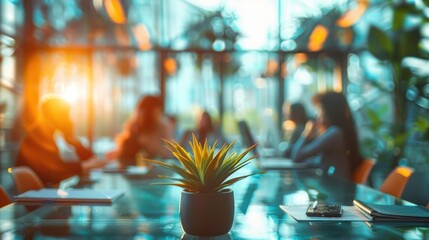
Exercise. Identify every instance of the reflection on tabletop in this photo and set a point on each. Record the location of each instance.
(150, 211)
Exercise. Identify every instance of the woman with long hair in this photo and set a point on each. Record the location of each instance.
(298, 115)
(333, 136)
(143, 132)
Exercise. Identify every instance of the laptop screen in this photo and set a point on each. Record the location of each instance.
(246, 136)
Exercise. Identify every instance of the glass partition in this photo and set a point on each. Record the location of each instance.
(192, 86)
(251, 94)
(235, 59)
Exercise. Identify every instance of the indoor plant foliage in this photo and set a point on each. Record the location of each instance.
(393, 44)
(207, 204)
(203, 170)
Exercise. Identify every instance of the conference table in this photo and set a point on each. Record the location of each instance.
(148, 211)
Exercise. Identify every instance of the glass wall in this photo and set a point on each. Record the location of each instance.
(193, 86)
(239, 60)
(11, 20)
(251, 94)
(235, 62)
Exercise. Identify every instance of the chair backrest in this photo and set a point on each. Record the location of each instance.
(396, 181)
(360, 175)
(417, 188)
(4, 198)
(25, 179)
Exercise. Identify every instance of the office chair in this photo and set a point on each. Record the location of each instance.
(25, 179)
(417, 188)
(4, 198)
(362, 172)
(395, 182)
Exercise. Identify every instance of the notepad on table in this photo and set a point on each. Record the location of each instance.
(69, 196)
(393, 213)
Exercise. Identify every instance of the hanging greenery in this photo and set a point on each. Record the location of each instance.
(392, 45)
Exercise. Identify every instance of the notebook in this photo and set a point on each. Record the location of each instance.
(393, 213)
(132, 170)
(263, 162)
(69, 196)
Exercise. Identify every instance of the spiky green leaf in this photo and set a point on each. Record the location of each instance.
(203, 170)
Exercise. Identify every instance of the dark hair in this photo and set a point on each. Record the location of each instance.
(147, 106)
(204, 130)
(297, 113)
(337, 112)
(143, 121)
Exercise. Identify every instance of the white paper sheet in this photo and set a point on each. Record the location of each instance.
(350, 214)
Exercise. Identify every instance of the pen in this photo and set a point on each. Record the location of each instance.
(315, 205)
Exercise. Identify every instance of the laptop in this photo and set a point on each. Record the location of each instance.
(69, 196)
(264, 162)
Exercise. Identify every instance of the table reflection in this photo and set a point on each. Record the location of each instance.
(150, 211)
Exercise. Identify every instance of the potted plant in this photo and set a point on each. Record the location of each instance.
(206, 204)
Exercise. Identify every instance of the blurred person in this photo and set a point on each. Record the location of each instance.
(40, 148)
(333, 136)
(205, 130)
(298, 115)
(142, 134)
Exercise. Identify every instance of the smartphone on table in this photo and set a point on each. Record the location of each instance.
(322, 209)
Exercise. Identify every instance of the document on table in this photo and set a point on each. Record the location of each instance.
(69, 196)
(350, 214)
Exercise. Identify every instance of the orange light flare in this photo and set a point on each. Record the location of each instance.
(353, 15)
(289, 125)
(318, 38)
(71, 92)
(170, 66)
(300, 58)
(68, 78)
(115, 11)
(75, 94)
(406, 172)
(271, 68)
(142, 36)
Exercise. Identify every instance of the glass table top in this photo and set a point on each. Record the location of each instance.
(148, 211)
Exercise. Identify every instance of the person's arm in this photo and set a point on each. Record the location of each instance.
(83, 152)
(47, 164)
(92, 163)
(297, 132)
(186, 137)
(307, 147)
(87, 158)
(167, 132)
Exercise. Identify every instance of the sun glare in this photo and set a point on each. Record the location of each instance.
(71, 94)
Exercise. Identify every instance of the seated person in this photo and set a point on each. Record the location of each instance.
(40, 152)
(333, 136)
(298, 116)
(205, 130)
(142, 134)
